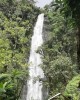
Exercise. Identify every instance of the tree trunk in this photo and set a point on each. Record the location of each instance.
(78, 49)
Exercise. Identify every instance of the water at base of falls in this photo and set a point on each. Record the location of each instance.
(34, 84)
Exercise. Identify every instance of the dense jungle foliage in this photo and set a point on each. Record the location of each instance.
(17, 18)
(61, 49)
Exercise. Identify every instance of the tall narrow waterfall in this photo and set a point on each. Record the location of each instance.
(34, 91)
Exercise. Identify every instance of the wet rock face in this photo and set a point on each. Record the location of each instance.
(24, 92)
(46, 30)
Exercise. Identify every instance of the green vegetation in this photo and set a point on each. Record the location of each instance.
(73, 89)
(17, 19)
(61, 50)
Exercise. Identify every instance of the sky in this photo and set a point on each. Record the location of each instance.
(42, 3)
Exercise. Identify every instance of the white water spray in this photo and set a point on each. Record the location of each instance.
(34, 84)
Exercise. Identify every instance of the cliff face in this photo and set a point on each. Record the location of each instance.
(24, 92)
(46, 30)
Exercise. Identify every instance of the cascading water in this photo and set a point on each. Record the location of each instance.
(34, 91)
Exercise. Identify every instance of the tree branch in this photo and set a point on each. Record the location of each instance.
(54, 96)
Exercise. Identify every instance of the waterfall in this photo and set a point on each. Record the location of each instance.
(34, 84)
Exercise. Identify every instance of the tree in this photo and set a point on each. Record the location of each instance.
(72, 8)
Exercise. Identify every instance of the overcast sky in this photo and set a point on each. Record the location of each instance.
(42, 3)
